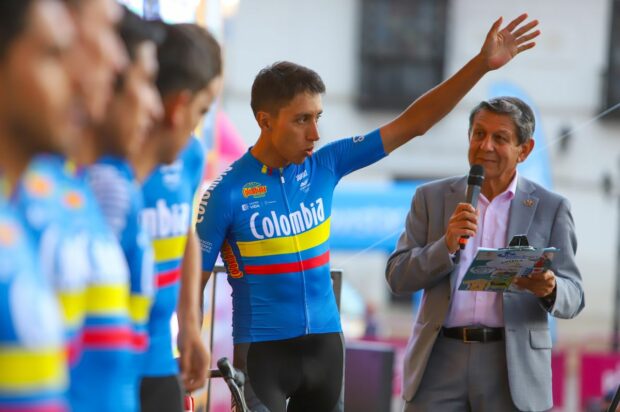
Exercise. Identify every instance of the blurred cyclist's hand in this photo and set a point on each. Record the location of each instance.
(195, 359)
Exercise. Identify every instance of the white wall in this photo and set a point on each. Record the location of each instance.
(562, 75)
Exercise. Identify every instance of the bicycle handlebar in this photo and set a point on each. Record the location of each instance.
(235, 379)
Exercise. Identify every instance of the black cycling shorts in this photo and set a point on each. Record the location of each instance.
(159, 394)
(307, 371)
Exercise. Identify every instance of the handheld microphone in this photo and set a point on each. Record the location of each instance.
(474, 184)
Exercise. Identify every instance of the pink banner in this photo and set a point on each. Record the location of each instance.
(558, 369)
(600, 373)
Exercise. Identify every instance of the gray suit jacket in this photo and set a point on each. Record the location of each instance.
(422, 261)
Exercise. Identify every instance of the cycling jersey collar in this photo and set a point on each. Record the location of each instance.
(120, 163)
(268, 170)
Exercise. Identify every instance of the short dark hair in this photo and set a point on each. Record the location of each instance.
(189, 59)
(13, 21)
(133, 31)
(276, 85)
(521, 114)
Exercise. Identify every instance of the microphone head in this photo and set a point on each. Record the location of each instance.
(476, 175)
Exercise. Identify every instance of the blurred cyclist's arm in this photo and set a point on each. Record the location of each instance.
(195, 357)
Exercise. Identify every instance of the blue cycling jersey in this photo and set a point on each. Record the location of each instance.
(272, 228)
(168, 198)
(86, 266)
(120, 198)
(33, 372)
(48, 212)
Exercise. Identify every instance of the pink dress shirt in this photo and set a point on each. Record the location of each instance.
(482, 308)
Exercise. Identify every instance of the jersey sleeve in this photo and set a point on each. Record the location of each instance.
(348, 155)
(212, 223)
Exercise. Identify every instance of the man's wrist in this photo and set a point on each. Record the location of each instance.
(549, 300)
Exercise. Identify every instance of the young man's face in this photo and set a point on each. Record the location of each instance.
(35, 88)
(294, 130)
(190, 114)
(136, 105)
(98, 56)
(493, 143)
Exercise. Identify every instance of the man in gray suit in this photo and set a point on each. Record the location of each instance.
(485, 351)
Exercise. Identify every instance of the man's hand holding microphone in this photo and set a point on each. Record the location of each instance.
(464, 221)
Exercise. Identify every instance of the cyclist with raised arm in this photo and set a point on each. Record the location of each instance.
(269, 216)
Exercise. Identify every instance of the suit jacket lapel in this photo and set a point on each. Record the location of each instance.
(455, 195)
(522, 209)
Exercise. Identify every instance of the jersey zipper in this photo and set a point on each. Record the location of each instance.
(303, 272)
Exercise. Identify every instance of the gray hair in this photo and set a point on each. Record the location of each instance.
(521, 114)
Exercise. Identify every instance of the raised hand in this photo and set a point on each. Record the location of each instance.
(500, 46)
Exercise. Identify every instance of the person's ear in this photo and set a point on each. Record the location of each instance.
(526, 149)
(265, 121)
(174, 107)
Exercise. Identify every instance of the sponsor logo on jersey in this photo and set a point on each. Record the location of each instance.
(301, 175)
(202, 208)
(253, 189)
(305, 185)
(296, 222)
(73, 199)
(229, 258)
(8, 234)
(38, 185)
(172, 173)
(165, 220)
(358, 139)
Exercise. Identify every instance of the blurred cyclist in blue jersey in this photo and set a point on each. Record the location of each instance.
(269, 217)
(188, 80)
(80, 254)
(131, 112)
(103, 377)
(35, 93)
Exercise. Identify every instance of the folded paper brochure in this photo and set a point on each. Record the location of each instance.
(493, 270)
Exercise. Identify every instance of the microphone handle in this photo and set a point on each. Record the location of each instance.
(473, 192)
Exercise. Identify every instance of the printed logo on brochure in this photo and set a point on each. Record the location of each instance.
(38, 185)
(254, 189)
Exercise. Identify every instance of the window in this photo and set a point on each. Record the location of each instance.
(402, 51)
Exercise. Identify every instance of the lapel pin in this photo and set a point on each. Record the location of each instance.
(528, 202)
